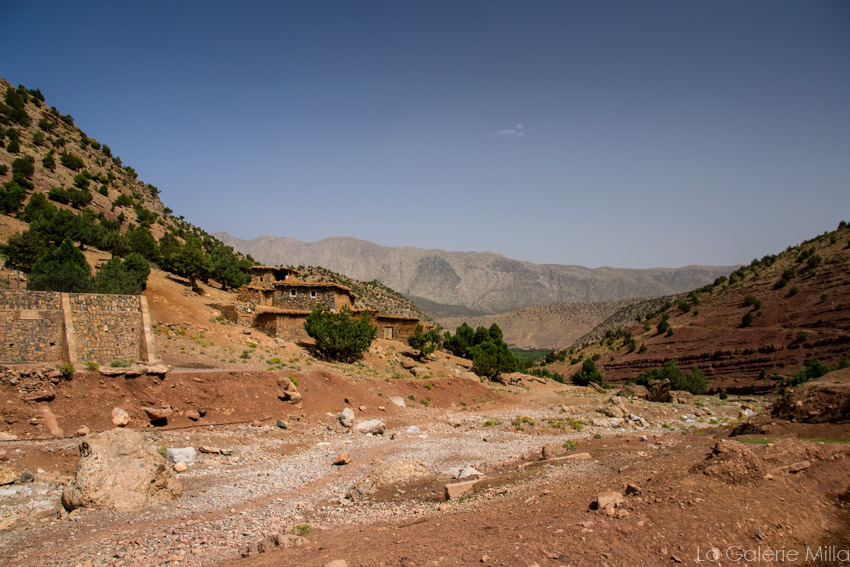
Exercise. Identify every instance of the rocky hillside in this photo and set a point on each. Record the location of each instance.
(746, 332)
(551, 326)
(63, 156)
(80, 174)
(480, 281)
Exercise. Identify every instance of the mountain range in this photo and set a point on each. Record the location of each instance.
(465, 283)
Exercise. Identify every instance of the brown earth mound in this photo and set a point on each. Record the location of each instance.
(825, 400)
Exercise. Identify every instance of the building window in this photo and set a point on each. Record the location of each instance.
(293, 293)
(313, 294)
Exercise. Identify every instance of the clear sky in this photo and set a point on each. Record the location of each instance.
(621, 133)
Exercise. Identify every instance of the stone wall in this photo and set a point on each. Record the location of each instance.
(31, 327)
(325, 297)
(75, 327)
(400, 328)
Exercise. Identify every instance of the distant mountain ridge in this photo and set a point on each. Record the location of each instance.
(479, 281)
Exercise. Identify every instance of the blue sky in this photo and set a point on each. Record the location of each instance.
(629, 134)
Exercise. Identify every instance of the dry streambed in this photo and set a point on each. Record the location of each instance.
(275, 479)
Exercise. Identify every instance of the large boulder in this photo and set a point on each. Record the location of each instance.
(119, 470)
(658, 391)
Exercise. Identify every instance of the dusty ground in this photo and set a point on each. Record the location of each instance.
(775, 492)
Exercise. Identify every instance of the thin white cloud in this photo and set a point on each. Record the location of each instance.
(518, 131)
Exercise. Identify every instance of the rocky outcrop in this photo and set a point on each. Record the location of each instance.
(119, 470)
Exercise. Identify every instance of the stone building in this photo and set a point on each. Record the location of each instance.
(277, 302)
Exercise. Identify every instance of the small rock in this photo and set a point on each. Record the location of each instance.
(210, 450)
(157, 415)
(83, 430)
(120, 418)
(178, 454)
(282, 424)
(346, 417)
(412, 430)
(398, 401)
(193, 415)
(342, 459)
(632, 489)
(373, 426)
(180, 467)
(608, 502)
(336, 563)
(362, 408)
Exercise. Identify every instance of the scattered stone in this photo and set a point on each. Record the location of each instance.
(596, 387)
(552, 450)
(193, 415)
(632, 489)
(178, 454)
(633, 391)
(373, 426)
(346, 417)
(211, 450)
(7, 476)
(386, 474)
(83, 430)
(456, 489)
(407, 363)
(412, 430)
(336, 563)
(158, 415)
(120, 418)
(342, 459)
(420, 371)
(469, 472)
(362, 408)
(398, 401)
(682, 397)
(798, 467)
(180, 467)
(609, 502)
(119, 470)
(282, 424)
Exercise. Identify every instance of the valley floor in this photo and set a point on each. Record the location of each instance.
(684, 501)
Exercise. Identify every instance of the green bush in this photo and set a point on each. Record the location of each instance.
(122, 201)
(66, 370)
(340, 335)
(72, 161)
(425, 342)
(62, 268)
(490, 355)
(59, 194)
(747, 319)
(588, 373)
(694, 382)
(48, 161)
(11, 197)
(82, 179)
